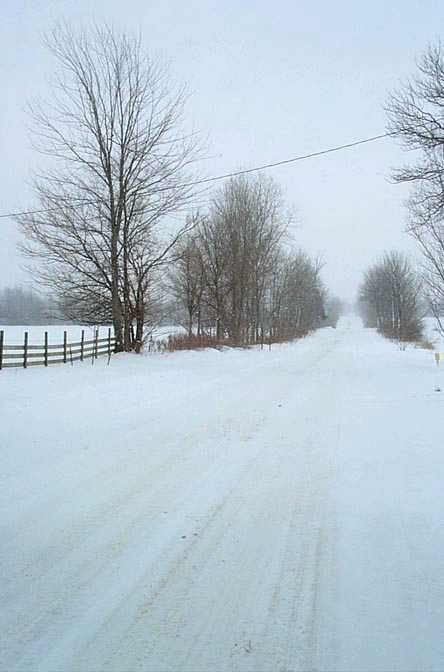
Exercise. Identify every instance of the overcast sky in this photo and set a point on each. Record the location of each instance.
(268, 81)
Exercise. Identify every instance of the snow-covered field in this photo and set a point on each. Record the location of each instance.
(242, 510)
(14, 334)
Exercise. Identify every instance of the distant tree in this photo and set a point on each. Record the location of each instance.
(390, 298)
(234, 276)
(297, 295)
(187, 281)
(119, 170)
(247, 228)
(416, 115)
(334, 308)
(19, 305)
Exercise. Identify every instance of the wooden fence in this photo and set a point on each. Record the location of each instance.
(25, 355)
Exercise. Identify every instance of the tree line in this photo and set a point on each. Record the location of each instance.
(235, 273)
(393, 296)
(23, 306)
(416, 117)
(103, 237)
(390, 298)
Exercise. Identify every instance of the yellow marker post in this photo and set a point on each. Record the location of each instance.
(437, 360)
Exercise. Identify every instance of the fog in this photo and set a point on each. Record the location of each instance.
(266, 82)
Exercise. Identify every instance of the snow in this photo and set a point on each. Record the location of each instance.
(162, 333)
(14, 334)
(431, 332)
(225, 511)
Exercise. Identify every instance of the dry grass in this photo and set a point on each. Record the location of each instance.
(424, 344)
(193, 342)
(179, 342)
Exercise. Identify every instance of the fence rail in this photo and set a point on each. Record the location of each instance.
(26, 355)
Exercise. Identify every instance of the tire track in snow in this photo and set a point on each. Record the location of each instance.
(197, 651)
(77, 573)
(149, 616)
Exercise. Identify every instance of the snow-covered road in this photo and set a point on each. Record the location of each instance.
(207, 511)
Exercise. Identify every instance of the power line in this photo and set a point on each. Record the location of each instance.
(293, 160)
(225, 176)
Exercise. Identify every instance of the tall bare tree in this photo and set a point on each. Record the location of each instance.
(248, 214)
(187, 280)
(416, 114)
(119, 169)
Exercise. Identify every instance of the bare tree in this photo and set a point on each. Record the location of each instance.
(390, 298)
(416, 114)
(334, 308)
(213, 243)
(298, 296)
(119, 169)
(248, 215)
(187, 281)
(233, 270)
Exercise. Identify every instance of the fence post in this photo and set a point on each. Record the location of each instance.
(64, 346)
(2, 336)
(46, 348)
(82, 341)
(97, 342)
(25, 351)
